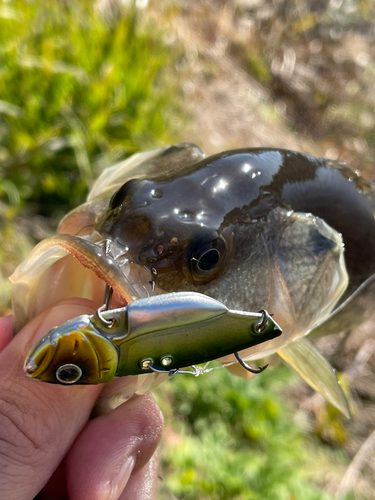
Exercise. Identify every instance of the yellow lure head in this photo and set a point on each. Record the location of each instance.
(74, 353)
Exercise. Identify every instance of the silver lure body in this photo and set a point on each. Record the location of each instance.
(162, 333)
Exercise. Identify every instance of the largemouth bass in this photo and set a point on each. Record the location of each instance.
(253, 228)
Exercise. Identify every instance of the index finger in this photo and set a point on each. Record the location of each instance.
(6, 325)
(38, 421)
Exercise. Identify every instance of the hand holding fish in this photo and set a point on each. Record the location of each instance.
(49, 449)
(245, 230)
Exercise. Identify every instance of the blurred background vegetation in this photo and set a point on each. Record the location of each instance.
(84, 84)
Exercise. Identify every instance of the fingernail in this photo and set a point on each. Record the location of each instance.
(121, 478)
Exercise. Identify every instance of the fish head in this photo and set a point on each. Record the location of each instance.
(217, 227)
(172, 220)
(172, 229)
(79, 261)
(73, 354)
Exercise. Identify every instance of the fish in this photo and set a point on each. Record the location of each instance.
(252, 228)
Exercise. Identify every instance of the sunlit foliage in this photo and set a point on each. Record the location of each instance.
(227, 438)
(79, 89)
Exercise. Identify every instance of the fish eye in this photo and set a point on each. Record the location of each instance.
(119, 196)
(206, 258)
(68, 373)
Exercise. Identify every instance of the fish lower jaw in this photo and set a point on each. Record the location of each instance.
(66, 267)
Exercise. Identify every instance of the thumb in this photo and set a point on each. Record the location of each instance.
(38, 421)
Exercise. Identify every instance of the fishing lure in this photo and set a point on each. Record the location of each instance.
(161, 334)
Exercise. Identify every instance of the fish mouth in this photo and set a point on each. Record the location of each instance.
(67, 266)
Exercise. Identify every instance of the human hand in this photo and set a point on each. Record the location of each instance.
(50, 450)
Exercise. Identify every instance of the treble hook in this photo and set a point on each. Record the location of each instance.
(108, 292)
(148, 364)
(260, 369)
(152, 281)
(259, 328)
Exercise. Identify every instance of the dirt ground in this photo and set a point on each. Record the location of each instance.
(296, 75)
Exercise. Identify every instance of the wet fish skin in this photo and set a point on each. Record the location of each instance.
(161, 218)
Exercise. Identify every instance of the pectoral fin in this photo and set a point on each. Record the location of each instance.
(307, 360)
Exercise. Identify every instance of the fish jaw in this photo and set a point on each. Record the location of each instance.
(66, 266)
(72, 267)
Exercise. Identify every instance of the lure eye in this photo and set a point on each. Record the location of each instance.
(68, 374)
(206, 258)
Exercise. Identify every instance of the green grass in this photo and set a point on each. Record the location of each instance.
(227, 438)
(77, 91)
